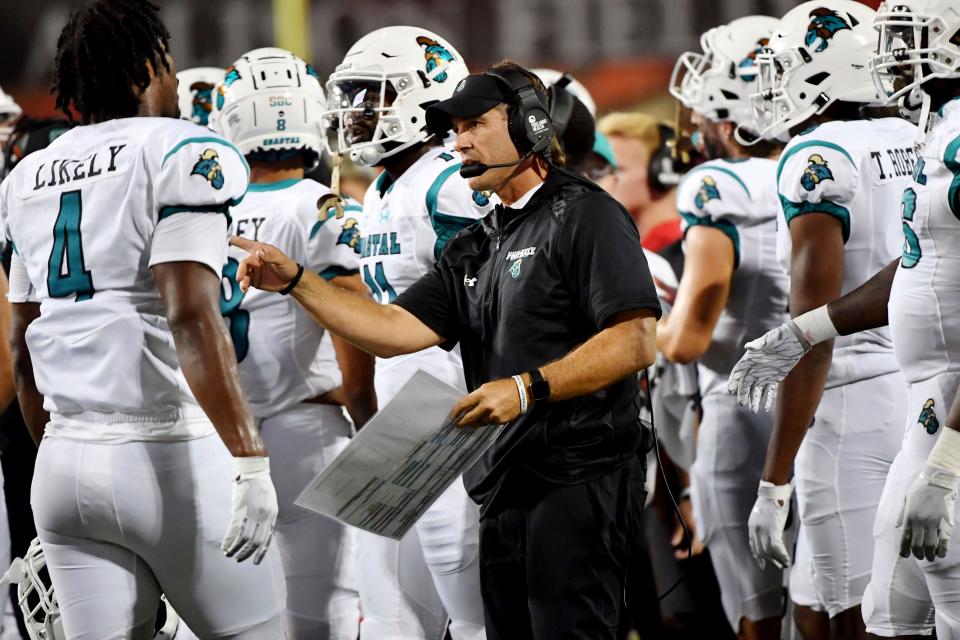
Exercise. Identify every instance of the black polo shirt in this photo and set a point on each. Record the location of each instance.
(523, 288)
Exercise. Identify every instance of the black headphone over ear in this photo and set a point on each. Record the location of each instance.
(560, 101)
(528, 119)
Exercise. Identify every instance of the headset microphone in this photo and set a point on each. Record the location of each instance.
(478, 168)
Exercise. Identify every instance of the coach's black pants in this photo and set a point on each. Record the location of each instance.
(553, 558)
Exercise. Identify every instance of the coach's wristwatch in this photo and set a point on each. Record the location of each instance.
(539, 388)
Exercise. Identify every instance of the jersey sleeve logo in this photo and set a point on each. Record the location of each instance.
(436, 55)
(708, 191)
(816, 172)
(824, 24)
(208, 166)
(350, 235)
(202, 102)
(928, 418)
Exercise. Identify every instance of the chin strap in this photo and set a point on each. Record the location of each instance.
(332, 203)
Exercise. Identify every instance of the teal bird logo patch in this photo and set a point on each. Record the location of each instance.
(708, 191)
(824, 24)
(816, 172)
(515, 268)
(208, 166)
(350, 235)
(928, 418)
(436, 54)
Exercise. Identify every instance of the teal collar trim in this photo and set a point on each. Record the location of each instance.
(273, 186)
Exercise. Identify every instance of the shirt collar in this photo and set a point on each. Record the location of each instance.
(523, 200)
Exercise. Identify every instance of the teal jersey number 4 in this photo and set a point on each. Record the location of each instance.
(66, 272)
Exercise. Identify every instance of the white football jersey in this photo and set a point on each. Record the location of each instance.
(924, 307)
(88, 216)
(407, 223)
(738, 197)
(275, 339)
(855, 171)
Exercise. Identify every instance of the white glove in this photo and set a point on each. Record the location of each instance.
(927, 514)
(253, 510)
(767, 520)
(767, 361)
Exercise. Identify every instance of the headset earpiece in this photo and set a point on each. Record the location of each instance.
(528, 121)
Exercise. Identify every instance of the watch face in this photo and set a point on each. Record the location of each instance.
(540, 390)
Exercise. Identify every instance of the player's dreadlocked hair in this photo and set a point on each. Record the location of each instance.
(102, 54)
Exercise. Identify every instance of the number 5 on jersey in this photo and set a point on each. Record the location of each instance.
(66, 272)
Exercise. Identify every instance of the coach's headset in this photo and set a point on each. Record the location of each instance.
(528, 122)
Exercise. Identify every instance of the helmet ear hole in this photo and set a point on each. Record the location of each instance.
(818, 78)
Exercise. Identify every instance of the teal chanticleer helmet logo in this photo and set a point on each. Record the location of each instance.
(209, 167)
(350, 234)
(436, 54)
(816, 172)
(750, 61)
(824, 24)
(708, 191)
(231, 76)
(202, 102)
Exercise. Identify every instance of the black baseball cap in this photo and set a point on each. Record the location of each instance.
(475, 95)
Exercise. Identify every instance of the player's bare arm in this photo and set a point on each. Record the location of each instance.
(31, 401)
(686, 333)
(8, 390)
(816, 274)
(384, 330)
(624, 347)
(357, 366)
(191, 293)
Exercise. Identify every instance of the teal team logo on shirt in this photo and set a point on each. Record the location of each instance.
(816, 172)
(824, 24)
(208, 166)
(928, 418)
(515, 268)
(350, 235)
(708, 191)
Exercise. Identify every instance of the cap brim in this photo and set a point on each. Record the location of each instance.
(474, 96)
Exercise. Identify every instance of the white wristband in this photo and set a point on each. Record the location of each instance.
(816, 325)
(946, 451)
(252, 466)
(522, 390)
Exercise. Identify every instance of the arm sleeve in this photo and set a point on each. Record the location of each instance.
(198, 180)
(817, 176)
(430, 300)
(20, 288)
(452, 206)
(333, 245)
(715, 197)
(198, 237)
(601, 258)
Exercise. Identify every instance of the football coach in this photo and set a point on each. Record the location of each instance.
(554, 309)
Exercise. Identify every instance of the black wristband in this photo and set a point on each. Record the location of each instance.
(293, 283)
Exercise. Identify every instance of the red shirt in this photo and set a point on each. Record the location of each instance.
(662, 235)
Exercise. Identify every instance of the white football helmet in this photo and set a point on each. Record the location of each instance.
(10, 111)
(38, 602)
(718, 83)
(195, 92)
(269, 102)
(919, 41)
(549, 77)
(394, 74)
(819, 54)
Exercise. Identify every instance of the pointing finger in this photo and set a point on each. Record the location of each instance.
(244, 243)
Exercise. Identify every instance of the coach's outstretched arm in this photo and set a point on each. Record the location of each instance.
(385, 330)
